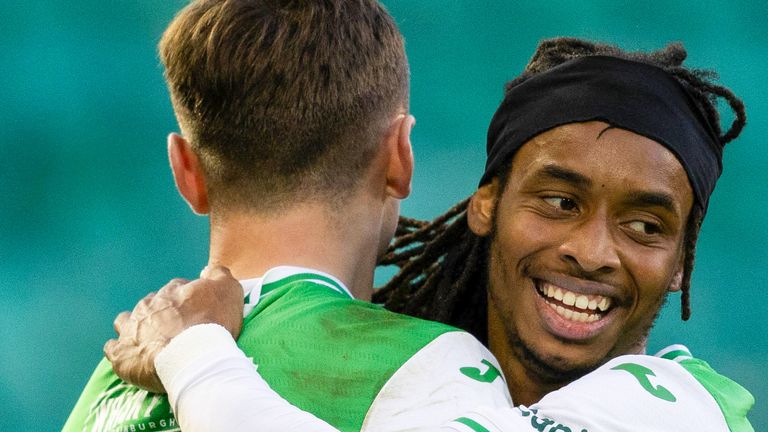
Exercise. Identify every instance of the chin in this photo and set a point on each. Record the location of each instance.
(553, 368)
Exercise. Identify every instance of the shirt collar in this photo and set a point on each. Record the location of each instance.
(256, 288)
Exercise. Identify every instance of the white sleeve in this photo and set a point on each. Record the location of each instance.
(452, 381)
(631, 393)
(213, 386)
(447, 377)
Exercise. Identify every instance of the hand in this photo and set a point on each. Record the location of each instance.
(214, 298)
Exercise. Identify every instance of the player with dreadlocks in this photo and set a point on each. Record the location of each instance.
(600, 167)
(442, 263)
(525, 284)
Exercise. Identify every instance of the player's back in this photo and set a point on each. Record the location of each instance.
(351, 363)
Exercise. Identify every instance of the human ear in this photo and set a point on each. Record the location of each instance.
(677, 278)
(481, 208)
(400, 166)
(188, 173)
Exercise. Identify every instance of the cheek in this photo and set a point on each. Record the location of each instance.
(517, 238)
(521, 233)
(502, 273)
(653, 272)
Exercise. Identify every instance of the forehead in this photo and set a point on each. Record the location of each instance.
(607, 156)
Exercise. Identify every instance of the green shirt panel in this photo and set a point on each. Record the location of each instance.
(328, 354)
(108, 404)
(322, 351)
(734, 400)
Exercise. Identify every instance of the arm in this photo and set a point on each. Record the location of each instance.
(630, 393)
(212, 385)
(182, 339)
(202, 369)
(159, 317)
(110, 403)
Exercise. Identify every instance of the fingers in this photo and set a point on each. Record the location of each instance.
(141, 307)
(174, 283)
(222, 279)
(145, 304)
(109, 349)
(120, 321)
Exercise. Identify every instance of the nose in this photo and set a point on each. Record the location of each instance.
(590, 246)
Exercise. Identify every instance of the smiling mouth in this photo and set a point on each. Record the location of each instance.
(580, 308)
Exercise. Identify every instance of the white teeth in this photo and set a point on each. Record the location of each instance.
(573, 315)
(569, 298)
(588, 305)
(604, 304)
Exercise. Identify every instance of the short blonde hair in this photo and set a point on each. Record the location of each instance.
(283, 99)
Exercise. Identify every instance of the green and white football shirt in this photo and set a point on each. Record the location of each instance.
(671, 391)
(631, 393)
(350, 363)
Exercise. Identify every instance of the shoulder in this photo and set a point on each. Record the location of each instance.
(733, 400)
(448, 376)
(315, 309)
(360, 352)
(107, 403)
(672, 392)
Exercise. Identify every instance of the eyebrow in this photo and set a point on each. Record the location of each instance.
(652, 199)
(634, 198)
(564, 174)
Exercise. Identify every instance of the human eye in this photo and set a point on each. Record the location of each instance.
(561, 203)
(644, 227)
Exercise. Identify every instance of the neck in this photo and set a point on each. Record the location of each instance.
(307, 235)
(525, 386)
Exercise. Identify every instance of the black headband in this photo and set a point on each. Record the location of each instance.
(630, 95)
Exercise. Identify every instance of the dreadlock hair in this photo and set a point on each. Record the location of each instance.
(443, 265)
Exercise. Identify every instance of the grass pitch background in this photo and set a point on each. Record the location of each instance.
(90, 220)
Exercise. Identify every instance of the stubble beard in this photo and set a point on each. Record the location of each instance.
(556, 370)
(552, 369)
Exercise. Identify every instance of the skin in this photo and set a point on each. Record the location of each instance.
(589, 208)
(245, 244)
(158, 317)
(310, 232)
(592, 209)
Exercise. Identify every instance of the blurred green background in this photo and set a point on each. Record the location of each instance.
(90, 220)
